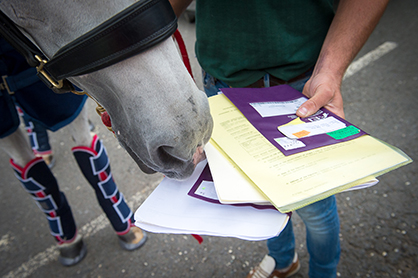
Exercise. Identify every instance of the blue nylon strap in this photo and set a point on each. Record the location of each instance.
(108, 187)
(55, 226)
(31, 185)
(22, 79)
(101, 161)
(46, 204)
(122, 209)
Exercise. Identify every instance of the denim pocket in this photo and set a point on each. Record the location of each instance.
(212, 85)
(209, 84)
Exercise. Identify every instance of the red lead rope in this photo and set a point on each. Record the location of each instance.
(183, 51)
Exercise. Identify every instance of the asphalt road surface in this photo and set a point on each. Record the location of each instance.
(379, 235)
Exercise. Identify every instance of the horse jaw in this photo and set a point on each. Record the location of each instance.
(158, 114)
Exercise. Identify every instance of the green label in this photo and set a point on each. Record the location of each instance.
(344, 132)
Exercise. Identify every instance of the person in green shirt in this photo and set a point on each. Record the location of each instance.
(308, 45)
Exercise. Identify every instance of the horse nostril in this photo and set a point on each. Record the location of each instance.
(170, 155)
(175, 167)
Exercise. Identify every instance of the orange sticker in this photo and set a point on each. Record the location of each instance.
(301, 133)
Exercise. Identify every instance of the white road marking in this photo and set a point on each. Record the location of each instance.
(369, 58)
(101, 222)
(4, 242)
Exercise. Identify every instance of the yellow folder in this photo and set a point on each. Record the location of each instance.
(292, 182)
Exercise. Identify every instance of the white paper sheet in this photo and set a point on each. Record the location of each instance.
(170, 210)
(313, 128)
(364, 185)
(231, 186)
(278, 108)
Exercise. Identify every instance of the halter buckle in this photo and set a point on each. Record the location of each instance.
(45, 77)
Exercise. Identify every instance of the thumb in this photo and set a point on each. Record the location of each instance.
(308, 108)
(321, 96)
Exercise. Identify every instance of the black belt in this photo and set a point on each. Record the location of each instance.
(274, 81)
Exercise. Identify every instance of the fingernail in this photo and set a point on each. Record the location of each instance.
(303, 111)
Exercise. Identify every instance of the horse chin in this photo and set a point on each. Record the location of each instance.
(185, 173)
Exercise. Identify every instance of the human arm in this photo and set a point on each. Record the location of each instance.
(179, 6)
(352, 25)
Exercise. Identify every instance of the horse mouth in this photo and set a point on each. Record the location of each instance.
(144, 168)
(184, 169)
(187, 171)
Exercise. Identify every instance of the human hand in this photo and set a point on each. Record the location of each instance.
(199, 155)
(323, 90)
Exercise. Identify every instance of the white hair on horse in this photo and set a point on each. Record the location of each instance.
(158, 114)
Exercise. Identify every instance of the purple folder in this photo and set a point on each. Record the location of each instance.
(207, 176)
(248, 99)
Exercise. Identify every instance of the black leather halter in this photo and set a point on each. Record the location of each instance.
(132, 31)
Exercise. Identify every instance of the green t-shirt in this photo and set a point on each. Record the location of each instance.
(240, 41)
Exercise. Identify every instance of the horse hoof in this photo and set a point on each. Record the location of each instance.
(132, 240)
(72, 253)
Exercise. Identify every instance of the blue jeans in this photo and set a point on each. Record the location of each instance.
(322, 239)
(320, 219)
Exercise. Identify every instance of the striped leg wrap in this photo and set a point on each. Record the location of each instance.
(94, 163)
(38, 180)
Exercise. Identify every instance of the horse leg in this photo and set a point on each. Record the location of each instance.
(16, 145)
(39, 140)
(40, 183)
(91, 157)
(80, 129)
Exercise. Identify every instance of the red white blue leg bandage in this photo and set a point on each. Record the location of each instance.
(94, 163)
(38, 180)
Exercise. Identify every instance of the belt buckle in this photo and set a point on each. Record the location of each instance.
(45, 77)
(5, 86)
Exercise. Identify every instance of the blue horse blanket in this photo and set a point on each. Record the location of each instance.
(38, 102)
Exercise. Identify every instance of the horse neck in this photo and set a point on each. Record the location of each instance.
(53, 24)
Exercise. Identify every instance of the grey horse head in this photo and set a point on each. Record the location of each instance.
(158, 114)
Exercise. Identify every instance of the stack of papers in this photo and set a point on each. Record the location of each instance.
(293, 181)
(234, 187)
(171, 209)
